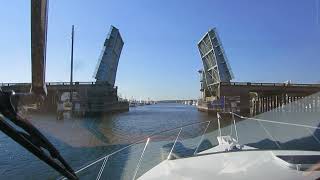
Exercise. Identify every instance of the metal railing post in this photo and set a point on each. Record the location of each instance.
(218, 115)
(104, 159)
(201, 138)
(102, 167)
(235, 126)
(175, 141)
(138, 165)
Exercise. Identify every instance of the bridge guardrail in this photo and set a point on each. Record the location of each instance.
(53, 84)
(221, 83)
(267, 84)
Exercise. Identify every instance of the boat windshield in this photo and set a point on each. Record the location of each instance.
(288, 127)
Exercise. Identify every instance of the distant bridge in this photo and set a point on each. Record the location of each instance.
(216, 85)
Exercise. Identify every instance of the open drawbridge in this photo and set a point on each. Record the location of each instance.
(107, 66)
(216, 68)
(220, 94)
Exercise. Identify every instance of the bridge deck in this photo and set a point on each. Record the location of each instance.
(266, 96)
(240, 88)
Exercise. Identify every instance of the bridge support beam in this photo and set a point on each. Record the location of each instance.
(245, 104)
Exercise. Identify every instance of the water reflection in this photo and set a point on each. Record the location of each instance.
(82, 140)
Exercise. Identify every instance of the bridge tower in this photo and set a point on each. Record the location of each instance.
(216, 68)
(107, 65)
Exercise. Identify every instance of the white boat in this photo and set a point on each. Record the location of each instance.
(236, 155)
(132, 104)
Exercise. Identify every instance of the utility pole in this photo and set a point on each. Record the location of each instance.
(71, 69)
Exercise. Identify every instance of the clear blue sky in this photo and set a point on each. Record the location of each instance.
(267, 41)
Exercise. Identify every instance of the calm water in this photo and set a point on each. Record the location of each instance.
(83, 140)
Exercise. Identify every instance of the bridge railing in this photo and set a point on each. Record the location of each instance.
(221, 83)
(146, 153)
(268, 84)
(14, 84)
(54, 84)
(68, 83)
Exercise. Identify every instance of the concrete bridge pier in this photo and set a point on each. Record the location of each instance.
(315, 104)
(281, 102)
(267, 103)
(245, 104)
(275, 105)
(260, 104)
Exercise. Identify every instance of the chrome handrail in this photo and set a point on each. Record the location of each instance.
(275, 122)
(138, 165)
(147, 139)
(175, 141)
(205, 130)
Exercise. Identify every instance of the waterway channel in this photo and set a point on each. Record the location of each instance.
(83, 140)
